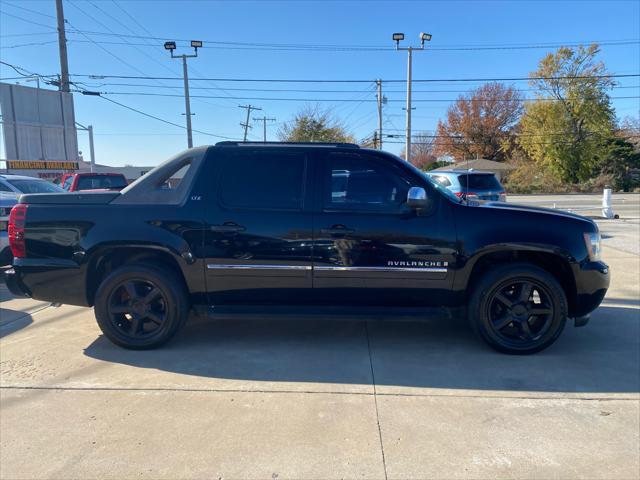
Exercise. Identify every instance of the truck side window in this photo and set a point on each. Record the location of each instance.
(354, 182)
(263, 180)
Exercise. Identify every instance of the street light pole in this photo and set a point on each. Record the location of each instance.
(379, 83)
(397, 37)
(187, 102)
(171, 46)
(408, 140)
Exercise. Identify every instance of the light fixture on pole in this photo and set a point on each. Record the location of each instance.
(171, 46)
(398, 37)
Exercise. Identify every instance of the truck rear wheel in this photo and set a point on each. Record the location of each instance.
(518, 308)
(141, 306)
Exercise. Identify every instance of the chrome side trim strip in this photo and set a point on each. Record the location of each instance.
(212, 266)
(383, 269)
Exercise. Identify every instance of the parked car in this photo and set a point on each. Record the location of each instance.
(7, 201)
(259, 229)
(74, 182)
(19, 184)
(471, 185)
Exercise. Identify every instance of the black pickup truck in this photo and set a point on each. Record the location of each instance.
(304, 229)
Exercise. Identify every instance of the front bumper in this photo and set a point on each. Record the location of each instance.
(592, 281)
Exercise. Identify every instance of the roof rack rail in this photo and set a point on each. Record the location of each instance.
(287, 144)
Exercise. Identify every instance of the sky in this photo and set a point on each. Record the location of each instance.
(296, 40)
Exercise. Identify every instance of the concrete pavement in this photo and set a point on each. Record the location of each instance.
(250, 399)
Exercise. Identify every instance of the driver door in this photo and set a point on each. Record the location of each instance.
(369, 246)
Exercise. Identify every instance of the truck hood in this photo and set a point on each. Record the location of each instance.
(530, 209)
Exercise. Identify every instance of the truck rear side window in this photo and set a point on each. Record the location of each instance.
(263, 180)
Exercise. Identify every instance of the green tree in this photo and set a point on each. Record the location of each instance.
(618, 159)
(565, 127)
(314, 125)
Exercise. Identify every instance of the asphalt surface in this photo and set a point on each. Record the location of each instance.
(250, 399)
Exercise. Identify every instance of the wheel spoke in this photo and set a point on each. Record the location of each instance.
(151, 296)
(117, 309)
(525, 292)
(503, 321)
(540, 311)
(131, 290)
(135, 325)
(526, 330)
(156, 318)
(504, 300)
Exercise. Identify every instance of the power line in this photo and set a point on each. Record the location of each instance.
(28, 21)
(31, 44)
(286, 80)
(20, 7)
(295, 90)
(350, 100)
(209, 43)
(303, 48)
(162, 119)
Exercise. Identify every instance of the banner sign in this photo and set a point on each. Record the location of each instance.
(40, 165)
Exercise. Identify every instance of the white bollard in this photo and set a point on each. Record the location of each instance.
(607, 210)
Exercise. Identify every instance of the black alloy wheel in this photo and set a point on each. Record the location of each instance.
(518, 308)
(141, 306)
(137, 307)
(520, 312)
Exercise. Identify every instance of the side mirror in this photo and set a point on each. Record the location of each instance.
(417, 198)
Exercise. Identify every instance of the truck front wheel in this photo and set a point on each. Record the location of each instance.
(141, 306)
(518, 308)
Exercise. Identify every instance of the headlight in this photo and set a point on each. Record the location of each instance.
(592, 241)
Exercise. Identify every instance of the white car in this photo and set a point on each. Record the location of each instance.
(19, 184)
(7, 201)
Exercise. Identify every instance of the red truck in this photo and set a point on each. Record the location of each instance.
(73, 182)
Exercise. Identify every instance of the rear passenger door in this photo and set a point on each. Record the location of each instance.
(258, 226)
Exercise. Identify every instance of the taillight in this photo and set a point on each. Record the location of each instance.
(459, 194)
(16, 230)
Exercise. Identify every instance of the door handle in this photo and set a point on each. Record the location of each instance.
(337, 231)
(227, 228)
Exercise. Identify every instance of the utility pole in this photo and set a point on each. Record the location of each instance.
(246, 123)
(62, 46)
(264, 121)
(171, 46)
(397, 37)
(380, 101)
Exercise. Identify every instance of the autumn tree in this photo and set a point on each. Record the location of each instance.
(311, 124)
(566, 128)
(422, 151)
(480, 123)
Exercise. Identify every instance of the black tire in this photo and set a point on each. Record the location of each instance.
(141, 306)
(504, 319)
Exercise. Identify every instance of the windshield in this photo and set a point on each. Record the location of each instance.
(91, 182)
(35, 186)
